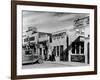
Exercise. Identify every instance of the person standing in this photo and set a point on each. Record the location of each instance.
(53, 55)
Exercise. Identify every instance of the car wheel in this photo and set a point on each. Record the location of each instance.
(40, 61)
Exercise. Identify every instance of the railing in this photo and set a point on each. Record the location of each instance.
(73, 37)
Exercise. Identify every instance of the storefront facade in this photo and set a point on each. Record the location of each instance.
(59, 44)
(65, 45)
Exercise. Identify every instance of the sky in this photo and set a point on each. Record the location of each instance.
(49, 21)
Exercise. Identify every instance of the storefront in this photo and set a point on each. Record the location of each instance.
(59, 45)
(64, 45)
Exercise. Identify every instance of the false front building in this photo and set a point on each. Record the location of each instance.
(37, 42)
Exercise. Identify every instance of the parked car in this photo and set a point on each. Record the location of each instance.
(29, 57)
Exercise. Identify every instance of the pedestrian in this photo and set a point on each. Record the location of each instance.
(49, 57)
(53, 55)
(50, 53)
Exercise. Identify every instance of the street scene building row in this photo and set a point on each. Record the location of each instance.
(63, 45)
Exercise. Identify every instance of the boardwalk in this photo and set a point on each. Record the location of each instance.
(49, 64)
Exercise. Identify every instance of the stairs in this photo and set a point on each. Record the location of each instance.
(73, 38)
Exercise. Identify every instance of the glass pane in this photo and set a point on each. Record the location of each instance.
(57, 50)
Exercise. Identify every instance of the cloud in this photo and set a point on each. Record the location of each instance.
(49, 21)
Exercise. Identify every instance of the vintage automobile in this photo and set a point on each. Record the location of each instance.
(29, 57)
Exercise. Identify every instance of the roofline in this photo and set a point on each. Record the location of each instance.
(64, 30)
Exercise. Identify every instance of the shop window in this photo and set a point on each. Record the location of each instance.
(73, 47)
(61, 49)
(82, 47)
(57, 50)
(77, 48)
(32, 38)
(54, 50)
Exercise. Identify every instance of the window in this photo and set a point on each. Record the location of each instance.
(77, 48)
(54, 50)
(26, 39)
(61, 49)
(82, 47)
(73, 47)
(57, 50)
(32, 38)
